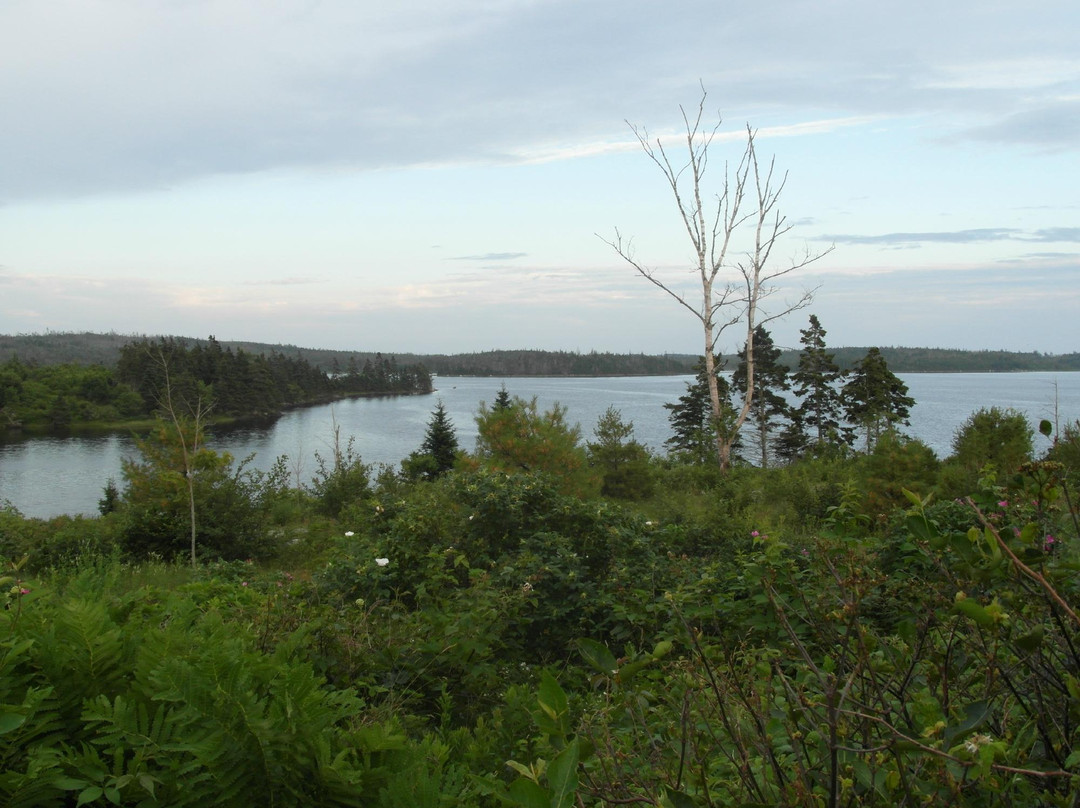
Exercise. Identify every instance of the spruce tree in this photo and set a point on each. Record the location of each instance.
(769, 407)
(691, 418)
(621, 459)
(502, 400)
(440, 441)
(874, 398)
(437, 453)
(816, 383)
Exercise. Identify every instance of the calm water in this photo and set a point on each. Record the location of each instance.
(48, 476)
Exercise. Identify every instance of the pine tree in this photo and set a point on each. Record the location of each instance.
(769, 406)
(519, 438)
(691, 418)
(438, 452)
(440, 441)
(623, 461)
(874, 398)
(816, 381)
(502, 399)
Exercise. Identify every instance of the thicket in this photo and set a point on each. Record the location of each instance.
(847, 629)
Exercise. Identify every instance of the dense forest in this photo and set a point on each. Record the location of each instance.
(104, 349)
(557, 619)
(150, 375)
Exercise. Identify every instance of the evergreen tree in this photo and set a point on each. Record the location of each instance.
(519, 438)
(816, 381)
(502, 399)
(874, 398)
(691, 418)
(439, 450)
(623, 461)
(769, 406)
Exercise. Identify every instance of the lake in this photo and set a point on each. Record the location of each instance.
(47, 476)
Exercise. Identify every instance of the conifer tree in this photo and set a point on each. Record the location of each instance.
(874, 398)
(502, 399)
(769, 406)
(440, 441)
(437, 453)
(692, 422)
(519, 438)
(623, 461)
(816, 381)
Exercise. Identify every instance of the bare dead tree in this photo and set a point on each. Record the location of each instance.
(189, 427)
(733, 284)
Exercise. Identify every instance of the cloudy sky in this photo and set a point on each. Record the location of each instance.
(439, 175)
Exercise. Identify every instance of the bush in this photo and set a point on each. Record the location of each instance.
(992, 437)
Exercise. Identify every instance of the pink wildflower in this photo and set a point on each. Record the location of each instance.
(1003, 503)
(755, 534)
(24, 591)
(243, 583)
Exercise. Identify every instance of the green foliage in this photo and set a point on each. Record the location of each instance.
(438, 452)
(769, 407)
(623, 461)
(490, 638)
(154, 700)
(156, 509)
(895, 463)
(341, 481)
(816, 382)
(693, 427)
(57, 396)
(874, 398)
(1001, 439)
(520, 438)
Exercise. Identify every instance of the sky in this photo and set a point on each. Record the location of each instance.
(440, 176)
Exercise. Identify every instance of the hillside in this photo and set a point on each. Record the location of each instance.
(87, 349)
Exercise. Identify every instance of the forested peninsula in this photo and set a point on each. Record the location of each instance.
(229, 383)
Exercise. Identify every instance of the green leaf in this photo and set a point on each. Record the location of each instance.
(1046, 428)
(69, 783)
(912, 497)
(597, 655)
(148, 783)
(528, 794)
(551, 696)
(974, 715)
(563, 776)
(11, 721)
(969, 608)
(521, 768)
(920, 528)
(88, 795)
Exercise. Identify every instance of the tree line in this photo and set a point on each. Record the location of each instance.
(56, 348)
(833, 404)
(234, 383)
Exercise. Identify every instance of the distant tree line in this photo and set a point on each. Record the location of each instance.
(53, 348)
(947, 360)
(556, 363)
(236, 383)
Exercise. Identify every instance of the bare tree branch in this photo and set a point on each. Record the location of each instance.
(712, 234)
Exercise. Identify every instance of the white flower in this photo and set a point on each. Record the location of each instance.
(349, 534)
(382, 562)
